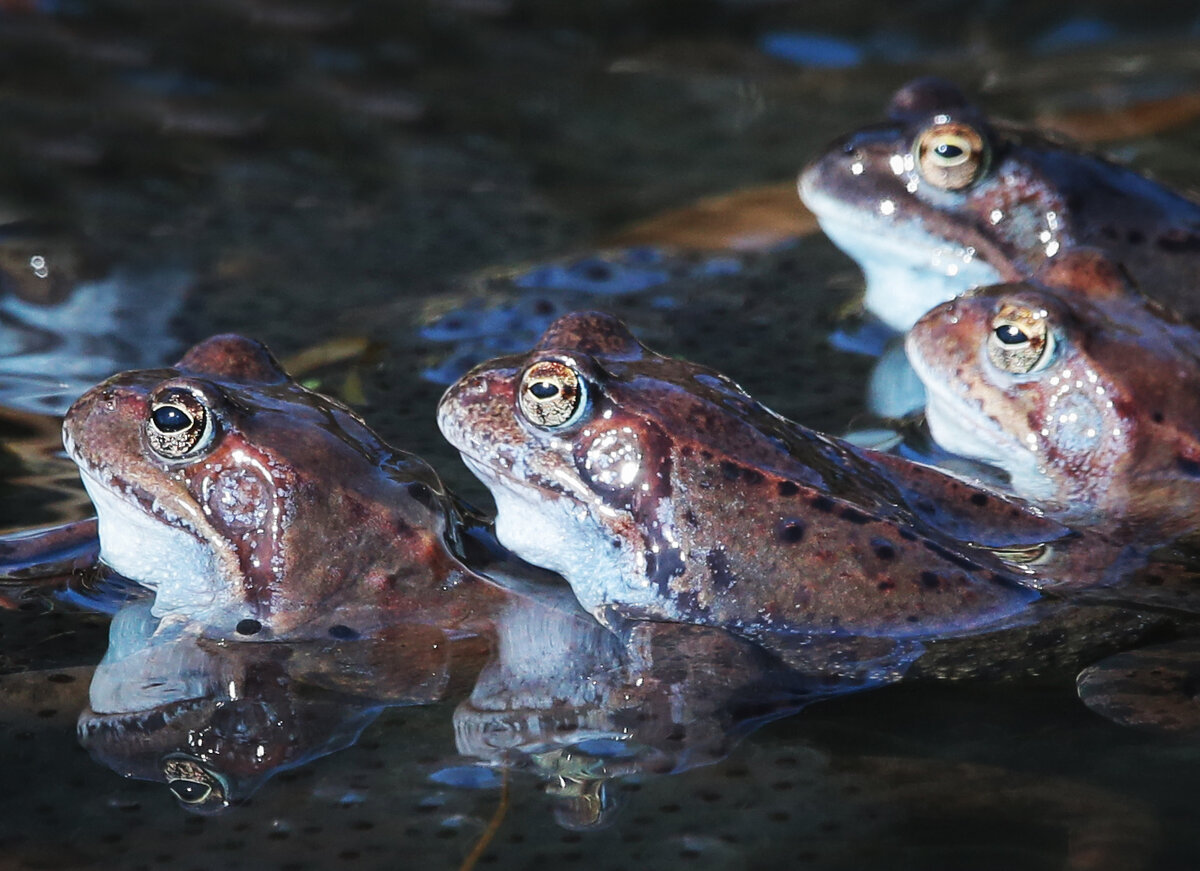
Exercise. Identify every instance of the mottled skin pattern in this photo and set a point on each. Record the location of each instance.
(1038, 199)
(729, 515)
(296, 521)
(1109, 428)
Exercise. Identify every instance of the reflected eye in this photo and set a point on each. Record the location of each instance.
(552, 394)
(189, 791)
(1020, 341)
(179, 424)
(951, 155)
(192, 783)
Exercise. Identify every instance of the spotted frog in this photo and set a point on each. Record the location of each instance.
(659, 489)
(1091, 404)
(940, 198)
(260, 508)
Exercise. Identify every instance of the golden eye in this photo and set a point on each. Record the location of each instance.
(179, 424)
(951, 155)
(552, 394)
(192, 783)
(1020, 341)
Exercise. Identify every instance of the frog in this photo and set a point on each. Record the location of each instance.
(259, 508)
(941, 198)
(1089, 402)
(661, 490)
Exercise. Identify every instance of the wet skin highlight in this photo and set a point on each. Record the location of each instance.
(1097, 422)
(671, 494)
(941, 198)
(258, 507)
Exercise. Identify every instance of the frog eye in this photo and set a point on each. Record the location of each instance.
(552, 394)
(179, 423)
(951, 155)
(1021, 341)
(192, 783)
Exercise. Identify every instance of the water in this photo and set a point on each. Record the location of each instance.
(428, 183)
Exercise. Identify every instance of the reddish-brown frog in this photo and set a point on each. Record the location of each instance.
(941, 198)
(260, 508)
(1091, 404)
(660, 490)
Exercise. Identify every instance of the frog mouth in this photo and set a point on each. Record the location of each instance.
(907, 269)
(141, 540)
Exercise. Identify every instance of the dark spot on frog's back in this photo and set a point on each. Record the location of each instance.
(930, 580)
(1188, 466)
(790, 530)
(788, 488)
(823, 503)
(718, 569)
(979, 499)
(662, 566)
(1177, 241)
(883, 549)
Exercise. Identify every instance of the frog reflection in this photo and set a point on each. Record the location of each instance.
(567, 701)
(215, 721)
(564, 698)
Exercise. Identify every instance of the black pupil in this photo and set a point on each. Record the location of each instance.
(543, 389)
(1010, 335)
(189, 790)
(948, 151)
(171, 418)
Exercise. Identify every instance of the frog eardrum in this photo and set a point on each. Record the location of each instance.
(179, 424)
(951, 155)
(552, 394)
(1020, 341)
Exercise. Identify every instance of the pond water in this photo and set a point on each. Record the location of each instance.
(388, 193)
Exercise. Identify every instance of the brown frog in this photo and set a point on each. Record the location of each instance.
(1090, 403)
(941, 198)
(660, 490)
(260, 508)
